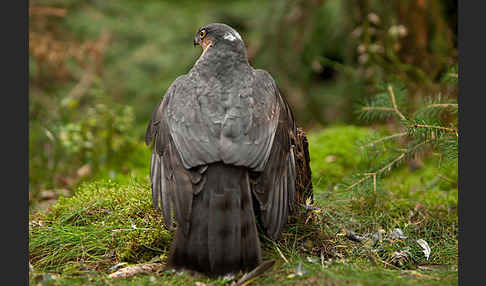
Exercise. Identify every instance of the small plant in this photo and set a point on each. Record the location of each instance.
(432, 128)
(81, 142)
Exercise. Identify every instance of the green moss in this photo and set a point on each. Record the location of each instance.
(93, 230)
(422, 203)
(431, 186)
(104, 223)
(335, 153)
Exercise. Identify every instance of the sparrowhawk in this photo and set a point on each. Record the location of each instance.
(222, 158)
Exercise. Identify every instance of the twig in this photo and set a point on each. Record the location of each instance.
(377, 108)
(374, 174)
(89, 73)
(259, 270)
(281, 254)
(374, 183)
(83, 85)
(357, 183)
(383, 139)
(435, 127)
(388, 150)
(395, 107)
(391, 163)
(443, 105)
(374, 179)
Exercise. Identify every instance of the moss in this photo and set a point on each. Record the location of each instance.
(431, 186)
(93, 230)
(334, 152)
(104, 223)
(423, 202)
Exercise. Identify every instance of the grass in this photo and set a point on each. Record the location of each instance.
(103, 223)
(107, 222)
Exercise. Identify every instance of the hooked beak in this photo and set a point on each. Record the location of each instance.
(196, 41)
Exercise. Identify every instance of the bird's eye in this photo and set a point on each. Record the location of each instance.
(202, 34)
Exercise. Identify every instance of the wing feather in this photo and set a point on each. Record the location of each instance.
(192, 127)
(172, 187)
(274, 188)
(233, 123)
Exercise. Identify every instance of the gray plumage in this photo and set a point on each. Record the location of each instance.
(222, 157)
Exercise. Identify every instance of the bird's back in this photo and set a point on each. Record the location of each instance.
(228, 117)
(223, 143)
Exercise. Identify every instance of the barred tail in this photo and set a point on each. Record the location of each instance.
(223, 236)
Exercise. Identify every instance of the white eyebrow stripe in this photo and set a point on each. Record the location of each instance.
(237, 35)
(229, 36)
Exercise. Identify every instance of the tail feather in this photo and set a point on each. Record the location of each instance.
(223, 237)
(250, 244)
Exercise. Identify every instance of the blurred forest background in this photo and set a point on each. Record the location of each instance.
(98, 68)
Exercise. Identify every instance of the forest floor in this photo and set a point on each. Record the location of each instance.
(404, 233)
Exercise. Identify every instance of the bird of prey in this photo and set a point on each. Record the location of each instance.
(223, 157)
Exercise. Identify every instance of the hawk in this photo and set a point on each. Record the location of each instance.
(223, 157)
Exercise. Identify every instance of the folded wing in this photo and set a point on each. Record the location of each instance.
(248, 124)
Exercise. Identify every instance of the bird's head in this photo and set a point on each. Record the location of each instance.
(219, 36)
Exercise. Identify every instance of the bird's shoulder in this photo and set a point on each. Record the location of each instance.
(264, 77)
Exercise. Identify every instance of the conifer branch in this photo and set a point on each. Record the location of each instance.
(388, 150)
(383, 139)
(386, 167)
(368, 108)
(443, 105)
(425, 127)
(358, 182)
(373, 175)
(395, 107)
(435, 127)
(389, 165)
